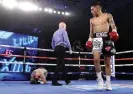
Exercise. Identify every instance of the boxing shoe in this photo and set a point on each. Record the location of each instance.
(108, 86)
(100, 84)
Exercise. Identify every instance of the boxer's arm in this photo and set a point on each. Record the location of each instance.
(91, 29)
(112, 23)
(32, 76)
(43, 76)
(43, 79)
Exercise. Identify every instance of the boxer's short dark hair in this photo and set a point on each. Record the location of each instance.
(96, 4)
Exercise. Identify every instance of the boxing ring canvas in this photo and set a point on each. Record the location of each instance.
(76, 87)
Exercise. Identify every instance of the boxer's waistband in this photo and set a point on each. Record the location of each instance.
(101, 35)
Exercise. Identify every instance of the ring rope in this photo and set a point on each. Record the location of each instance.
(40, 49)
(121, 73)
(51, 50)
(50, 58)
(125, 52)
(53, 58)
(47, 64)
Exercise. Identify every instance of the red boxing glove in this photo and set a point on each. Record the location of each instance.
(89, 44)
(114, 36)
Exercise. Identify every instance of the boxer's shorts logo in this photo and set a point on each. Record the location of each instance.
(101, 34)
(108, 48)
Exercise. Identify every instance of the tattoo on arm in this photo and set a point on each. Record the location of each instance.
(111, 22)
(91, 30)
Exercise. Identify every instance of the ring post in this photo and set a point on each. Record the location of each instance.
(79, 60)
(112, 62)
(24, 62)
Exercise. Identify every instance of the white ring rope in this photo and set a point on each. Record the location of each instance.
(124, 52)
(46, 64)
(40, 49)
(51, 50)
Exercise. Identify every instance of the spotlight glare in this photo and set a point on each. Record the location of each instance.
(9, 3)
(45, 9)
(67, 13)
(50, 10)
(40, 9)
(63, 13)
(27, 6)
(54, 11)
(58, 12)
(0, 1)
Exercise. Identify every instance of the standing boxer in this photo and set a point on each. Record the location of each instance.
(60, 42)
(101, 41)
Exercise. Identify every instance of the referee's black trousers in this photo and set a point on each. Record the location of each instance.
(60, 67)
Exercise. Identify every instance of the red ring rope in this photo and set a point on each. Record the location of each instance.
(53, 58)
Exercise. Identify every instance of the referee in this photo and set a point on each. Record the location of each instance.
(60, 42)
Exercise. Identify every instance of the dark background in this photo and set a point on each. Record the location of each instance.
(44, 25)
(77, 23)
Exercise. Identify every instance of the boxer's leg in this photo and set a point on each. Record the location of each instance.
(108, 72)
(107, 65)
(96, 55)
(108, 51)
(97, 48)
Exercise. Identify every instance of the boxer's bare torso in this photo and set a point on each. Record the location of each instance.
(101, 23)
